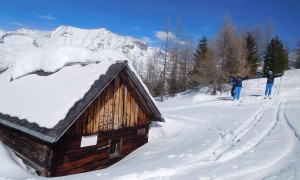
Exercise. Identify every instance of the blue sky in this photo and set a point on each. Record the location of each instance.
(143, 18)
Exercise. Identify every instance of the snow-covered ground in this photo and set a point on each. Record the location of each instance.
(208, 137)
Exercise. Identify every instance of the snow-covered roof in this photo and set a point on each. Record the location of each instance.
(44, 99)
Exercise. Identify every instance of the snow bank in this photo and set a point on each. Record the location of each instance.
(9, 166)
(52, 59)
(292, 73)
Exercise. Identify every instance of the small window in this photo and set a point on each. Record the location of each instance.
(115, 146)
(141, 131)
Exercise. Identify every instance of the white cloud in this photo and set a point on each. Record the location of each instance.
(146, 39)
(18, 24)
(161, 35)
(49, 16)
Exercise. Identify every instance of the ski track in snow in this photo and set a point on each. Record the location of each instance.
(244, 139)
(279, 117)
(260, 124)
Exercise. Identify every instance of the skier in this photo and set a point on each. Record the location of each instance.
(238, 85)
(270, 80)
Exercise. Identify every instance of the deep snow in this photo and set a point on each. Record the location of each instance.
(46, 100)
(207, 137)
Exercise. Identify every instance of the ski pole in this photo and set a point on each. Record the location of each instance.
(258, 86)
(279, 85)
(245, 88)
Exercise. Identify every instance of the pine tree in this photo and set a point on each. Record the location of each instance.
(276, 57)
(159, 87)
(200, 55)
(252, 54)
(297, 65)
(173, 87)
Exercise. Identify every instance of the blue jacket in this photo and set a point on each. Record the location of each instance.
(270, 77)
(238, 80)
(233, 82)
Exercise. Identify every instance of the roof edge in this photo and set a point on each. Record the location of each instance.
(28, 131)
(158, 116)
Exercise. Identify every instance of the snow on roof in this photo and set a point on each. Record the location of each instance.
(46, 100)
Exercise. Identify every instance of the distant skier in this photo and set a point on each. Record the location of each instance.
(238, 85)
(270, 80)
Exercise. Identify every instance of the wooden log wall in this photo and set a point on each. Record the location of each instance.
(115, 108)
(33, 152)
(71, 158)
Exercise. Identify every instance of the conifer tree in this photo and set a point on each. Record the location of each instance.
(251, 54)
(200, 55)
(228, 47)
(276, 57)
(173, 86)
(297, 65)
(159, 87)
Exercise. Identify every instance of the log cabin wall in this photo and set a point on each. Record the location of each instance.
(34, 152)
(116, 114)
(71, 158)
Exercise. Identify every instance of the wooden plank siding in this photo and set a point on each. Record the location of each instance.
(114, 109)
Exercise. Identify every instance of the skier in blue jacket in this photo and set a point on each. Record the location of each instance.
(270, 80)
(238, 85)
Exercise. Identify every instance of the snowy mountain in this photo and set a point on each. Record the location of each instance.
(12, 43)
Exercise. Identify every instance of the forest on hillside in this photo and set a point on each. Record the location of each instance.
(184, 63)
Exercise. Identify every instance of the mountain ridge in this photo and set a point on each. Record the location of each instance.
(13, 42)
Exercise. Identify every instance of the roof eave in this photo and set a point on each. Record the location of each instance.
(28, 131)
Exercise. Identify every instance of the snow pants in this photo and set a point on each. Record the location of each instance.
(268, 89)
(237, 93)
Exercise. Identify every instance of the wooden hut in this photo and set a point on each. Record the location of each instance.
(108, 123)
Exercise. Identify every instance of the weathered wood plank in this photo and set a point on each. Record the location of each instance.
(121, 109)
(101, 114)
(111, 106)
(116, 104)
(125, 107)
(97, 112)
(128, 108)
(106, 106)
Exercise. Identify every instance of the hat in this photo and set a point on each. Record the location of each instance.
(238, 75)
(270, 72)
